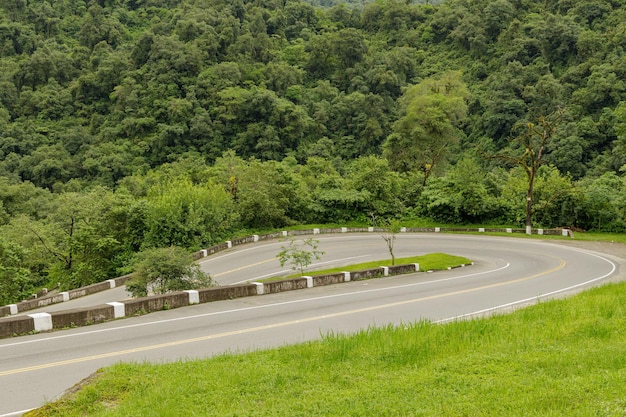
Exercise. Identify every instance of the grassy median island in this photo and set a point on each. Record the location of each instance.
(558, 358)
(428, 262)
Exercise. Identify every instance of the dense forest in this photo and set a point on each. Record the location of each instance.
(133, 124)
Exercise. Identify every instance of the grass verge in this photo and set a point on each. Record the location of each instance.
(558, 358)
(428, 262)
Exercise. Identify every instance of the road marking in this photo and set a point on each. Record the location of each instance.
(16, 413)
(549, 294)
(238, 310)
(272, 326)
(279, 272)
(245, 267)
(284, 271)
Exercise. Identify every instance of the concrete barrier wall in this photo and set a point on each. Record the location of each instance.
(270, 236)
(401, 269)
(36, 303)
(82, 316)
(328, 279)
(243, 240)
(366, 274)
(10, 326)
(217, 248)
(156, 303)
(119, 281)
(90, 289)
(284, 285)
(226, 293)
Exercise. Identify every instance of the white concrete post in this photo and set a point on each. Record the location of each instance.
(403, 230)
(316, 231)
(385, 270)
(284, 233)
(42, 321)
(417, 267)
(65, 295)
(346, 276)
(481, 229)
(229, 244)
(437, 229)
(205, 253)
(255, 238)
(111, 283)
(309, 281)
(119, 309)
(509, 230)
(259, 288)
(344, 230)
(370, 229)
(540, 231)
(12, 309)
(194, 296)
(565, 232)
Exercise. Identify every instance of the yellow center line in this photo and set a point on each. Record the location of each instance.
(272, 326)
(245, 267)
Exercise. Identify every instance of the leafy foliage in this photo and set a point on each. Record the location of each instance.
(163, 270)
(299, 254)
(126, 125)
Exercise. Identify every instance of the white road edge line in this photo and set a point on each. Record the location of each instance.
(287, 270)
(537, 297)
(253, 308)
(16, 413)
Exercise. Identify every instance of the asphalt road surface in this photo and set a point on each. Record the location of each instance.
(507, 273)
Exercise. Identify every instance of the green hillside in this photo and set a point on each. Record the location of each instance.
(132, 124)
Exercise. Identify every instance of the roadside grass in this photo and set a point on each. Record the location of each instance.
(602, 237)
(565, 357)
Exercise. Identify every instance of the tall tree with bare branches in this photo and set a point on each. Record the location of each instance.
(528, 151)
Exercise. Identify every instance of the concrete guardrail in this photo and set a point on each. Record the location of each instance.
(43, 321)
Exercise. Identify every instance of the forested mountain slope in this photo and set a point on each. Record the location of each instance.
(121, 120)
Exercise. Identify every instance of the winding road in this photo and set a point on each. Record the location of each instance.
(507, 273)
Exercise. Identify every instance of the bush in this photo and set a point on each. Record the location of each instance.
(163, 270)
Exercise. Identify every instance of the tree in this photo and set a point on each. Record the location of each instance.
(16, 281)
(268, 194)
(184, 214)
(604, 203)
(462, 195)
(371, 176)
(528, 153)
(388, 230)
(299, 254)
(84, 238)
(163, 270)
(429, 126)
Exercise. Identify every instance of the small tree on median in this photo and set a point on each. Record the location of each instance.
(388, 230)
(299, 254)
(163, 270)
